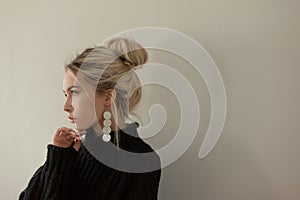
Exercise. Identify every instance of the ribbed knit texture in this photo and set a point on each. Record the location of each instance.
(68, 174)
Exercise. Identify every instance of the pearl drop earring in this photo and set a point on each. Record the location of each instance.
(106, 126)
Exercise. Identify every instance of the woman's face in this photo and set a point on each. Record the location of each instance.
(79, 103)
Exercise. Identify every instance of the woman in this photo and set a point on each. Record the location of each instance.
(101, 89)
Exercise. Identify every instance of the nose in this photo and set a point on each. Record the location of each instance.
(68, 105)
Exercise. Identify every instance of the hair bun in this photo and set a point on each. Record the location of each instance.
(130, 52)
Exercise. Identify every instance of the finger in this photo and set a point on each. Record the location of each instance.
(70, 137)
(66, 129)
(77, 145)
(66, 135)
(65, 140)
(72, 131)
(60, 130)
(73, 134)
(72, 144)
(63, 133)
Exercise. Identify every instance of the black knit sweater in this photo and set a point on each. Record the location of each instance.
(68, 174)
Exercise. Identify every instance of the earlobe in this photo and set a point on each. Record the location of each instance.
(107, 102)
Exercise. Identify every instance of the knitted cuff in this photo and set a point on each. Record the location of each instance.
(60, 158)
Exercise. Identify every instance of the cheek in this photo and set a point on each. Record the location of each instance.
(99, 112)
(84, 112)
(99, 108)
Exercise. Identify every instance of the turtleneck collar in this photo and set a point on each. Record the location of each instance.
(128, 156)
(129, 131)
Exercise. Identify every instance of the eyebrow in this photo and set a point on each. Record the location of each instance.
(73, 86)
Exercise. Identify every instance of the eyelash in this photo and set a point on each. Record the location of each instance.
(73, 92)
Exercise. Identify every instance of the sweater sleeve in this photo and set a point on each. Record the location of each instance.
(145, 186)
(53, 179)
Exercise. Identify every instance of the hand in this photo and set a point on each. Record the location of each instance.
(64, 137)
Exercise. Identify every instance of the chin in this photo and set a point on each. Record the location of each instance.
(78, 127)
(81, 127)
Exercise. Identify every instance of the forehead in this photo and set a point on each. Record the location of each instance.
(69, 79)
(69, 76)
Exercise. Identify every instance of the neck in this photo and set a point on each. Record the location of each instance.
(98, 128)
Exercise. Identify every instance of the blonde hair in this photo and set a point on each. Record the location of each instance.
(112, 66)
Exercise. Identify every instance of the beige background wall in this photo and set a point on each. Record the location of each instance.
(255, 44)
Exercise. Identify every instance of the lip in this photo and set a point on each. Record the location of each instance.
(72, 120)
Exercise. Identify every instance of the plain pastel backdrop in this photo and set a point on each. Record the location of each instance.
(254, 43)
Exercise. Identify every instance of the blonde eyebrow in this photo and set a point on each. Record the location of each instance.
(73, 86)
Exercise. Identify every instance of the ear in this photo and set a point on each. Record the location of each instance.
(110, 96)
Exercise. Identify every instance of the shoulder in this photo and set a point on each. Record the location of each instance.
(132, 142)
